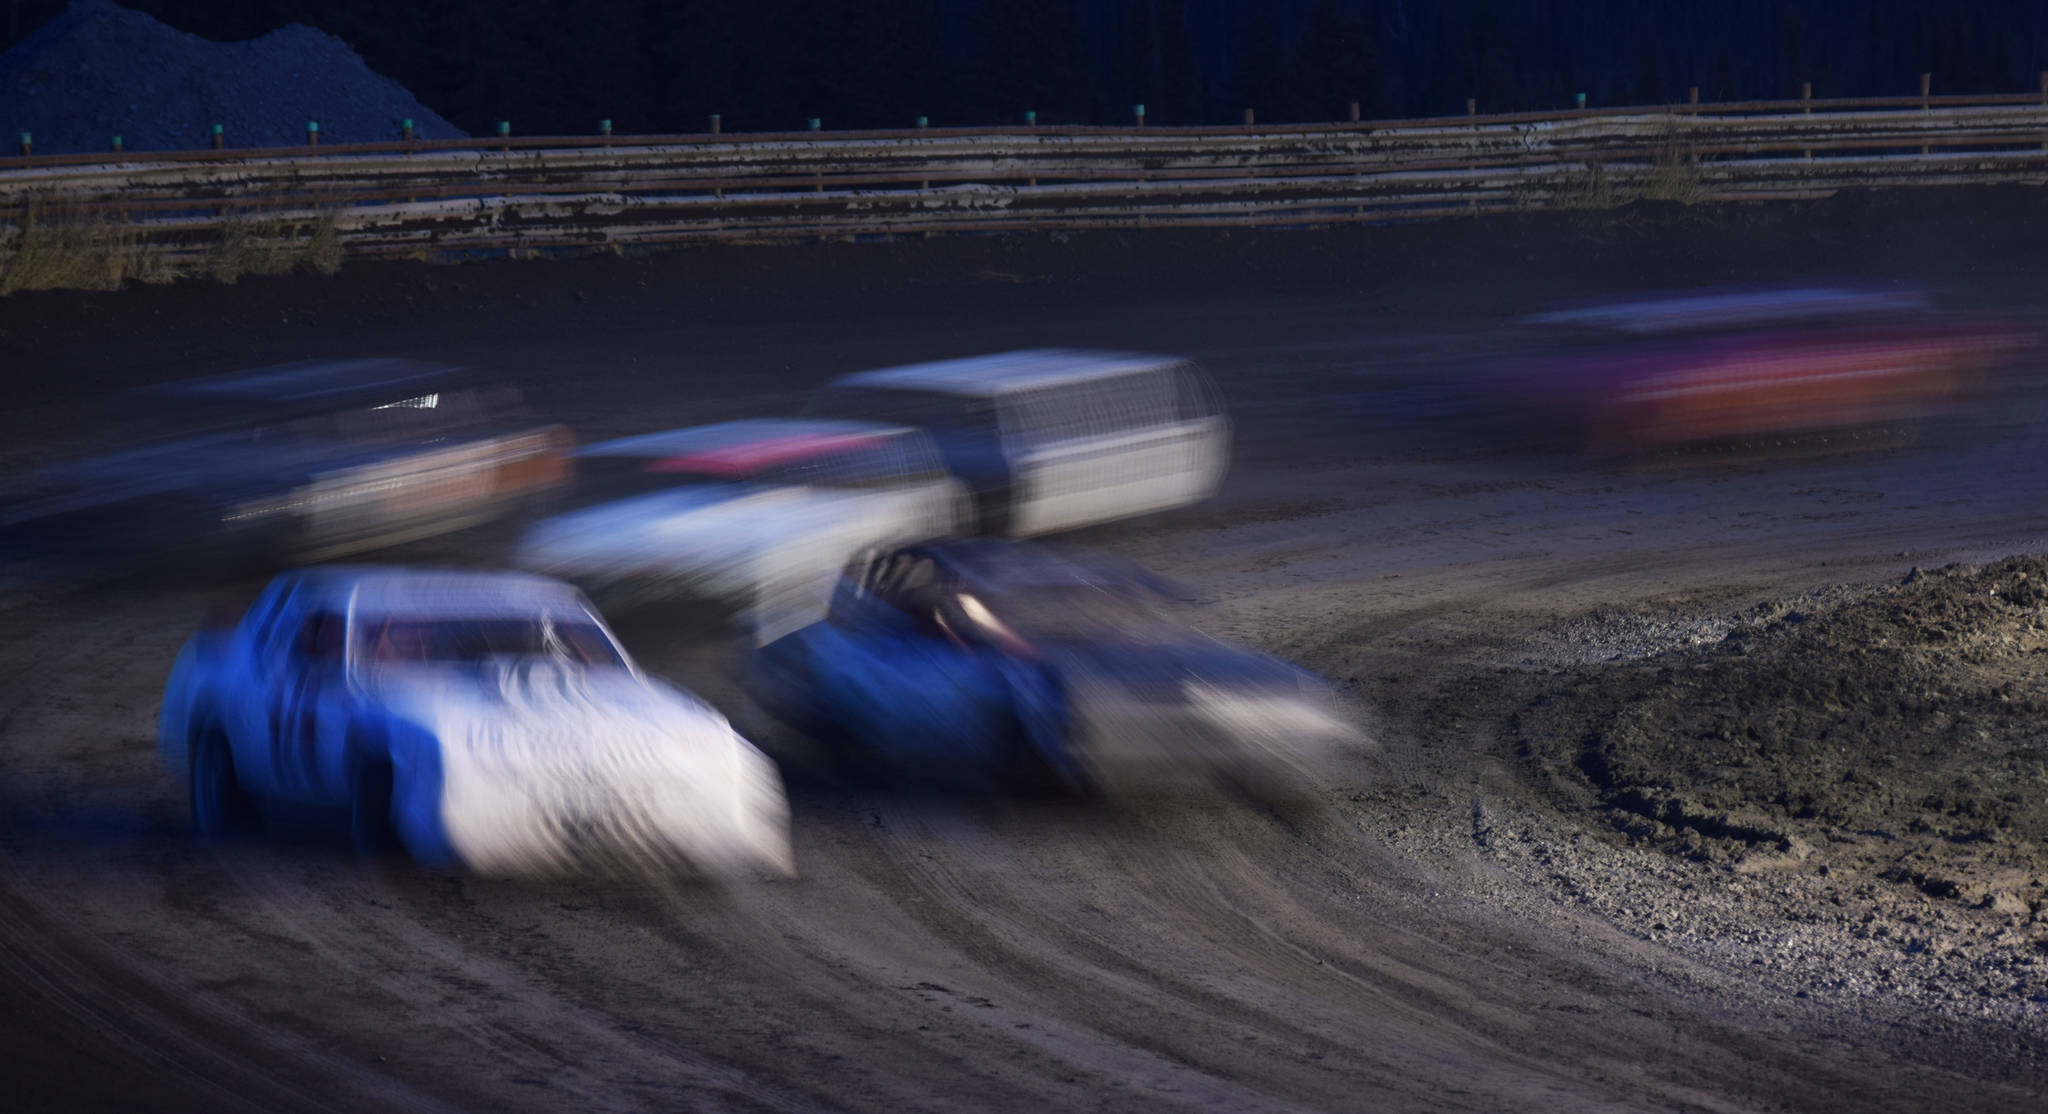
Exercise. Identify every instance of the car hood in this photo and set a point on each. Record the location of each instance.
(1164, 669)
(520, 716)
(694, 523)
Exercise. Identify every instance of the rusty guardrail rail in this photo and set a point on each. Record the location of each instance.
(423, 197)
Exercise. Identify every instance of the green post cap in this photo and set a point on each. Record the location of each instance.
(923, 121)
(312, 125)
(117, 143)
(405, 123)
(216, 129)
(1030, 117)
(1582, 100)
(605, 126)
(1138, 109)
(504, 127)
(27, 138)
(815, 123)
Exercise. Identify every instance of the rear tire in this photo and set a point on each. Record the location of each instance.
(369, 812)
(221, 808)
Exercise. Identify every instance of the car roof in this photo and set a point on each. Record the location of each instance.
(320, 383)
(397, 590)
(722, 437)
(995, 564)
(1001, 372)
(1724, 308)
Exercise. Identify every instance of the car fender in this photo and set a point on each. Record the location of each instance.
(190, 699)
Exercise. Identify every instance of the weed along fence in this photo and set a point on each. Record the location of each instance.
(117, 215)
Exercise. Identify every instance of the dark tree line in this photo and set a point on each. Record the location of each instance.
(662, 65)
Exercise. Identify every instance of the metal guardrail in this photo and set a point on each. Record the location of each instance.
(558, 192)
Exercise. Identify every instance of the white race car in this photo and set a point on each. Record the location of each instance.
(761, 514)
(487, 720)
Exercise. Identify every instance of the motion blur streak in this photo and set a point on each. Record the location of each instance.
(1722, 367)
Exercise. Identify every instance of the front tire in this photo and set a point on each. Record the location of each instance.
(221, 808)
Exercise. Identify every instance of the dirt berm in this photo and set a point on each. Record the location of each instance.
(1880, 761)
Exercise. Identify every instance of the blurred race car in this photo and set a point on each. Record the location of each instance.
(760, 514)
(1055, 439)
(488, 720)
(1000, 664)
(1718, 365)
(297, 462)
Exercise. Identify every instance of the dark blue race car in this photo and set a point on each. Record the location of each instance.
(1006, 665)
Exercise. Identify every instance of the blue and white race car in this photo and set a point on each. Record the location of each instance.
(998, 664)
(487, 720)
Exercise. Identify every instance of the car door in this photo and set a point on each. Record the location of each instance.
(310, 672)
(929, 702)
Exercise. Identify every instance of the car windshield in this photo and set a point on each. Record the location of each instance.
(396, 640)
(1079, 614)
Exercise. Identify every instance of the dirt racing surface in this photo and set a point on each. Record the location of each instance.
(1684, 790)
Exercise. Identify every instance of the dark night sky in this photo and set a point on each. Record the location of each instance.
(660, 65)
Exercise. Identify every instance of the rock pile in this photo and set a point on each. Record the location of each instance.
(99, 70)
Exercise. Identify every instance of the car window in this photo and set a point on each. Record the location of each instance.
(321, 639)
(399, 639)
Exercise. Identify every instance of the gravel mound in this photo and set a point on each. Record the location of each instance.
(1883, 764)
(98, 70)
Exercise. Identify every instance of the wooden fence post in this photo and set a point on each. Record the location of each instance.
(312, 133)
(717, 123)
(216, 136)
(1138, 115)
(1692, 94)
(1354, 112)
(405, 129)
(1471, 106)
(117, 145)
(1249, 117)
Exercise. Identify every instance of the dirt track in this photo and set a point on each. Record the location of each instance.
(1439, 928)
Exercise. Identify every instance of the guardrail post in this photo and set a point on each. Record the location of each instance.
(604, 128)
(1354, 112)
(922, 122)
(1692, 94)
(504, 132)
(1138, 115)
(1926, 83)
(116, 148)
(1249, 117)
(405, 130)
(1581, 101)
(312, 133)
(1806, 94)
(1030, 118)
(218, 139)
(28, 144)
(717, 123)
(1471, 106)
